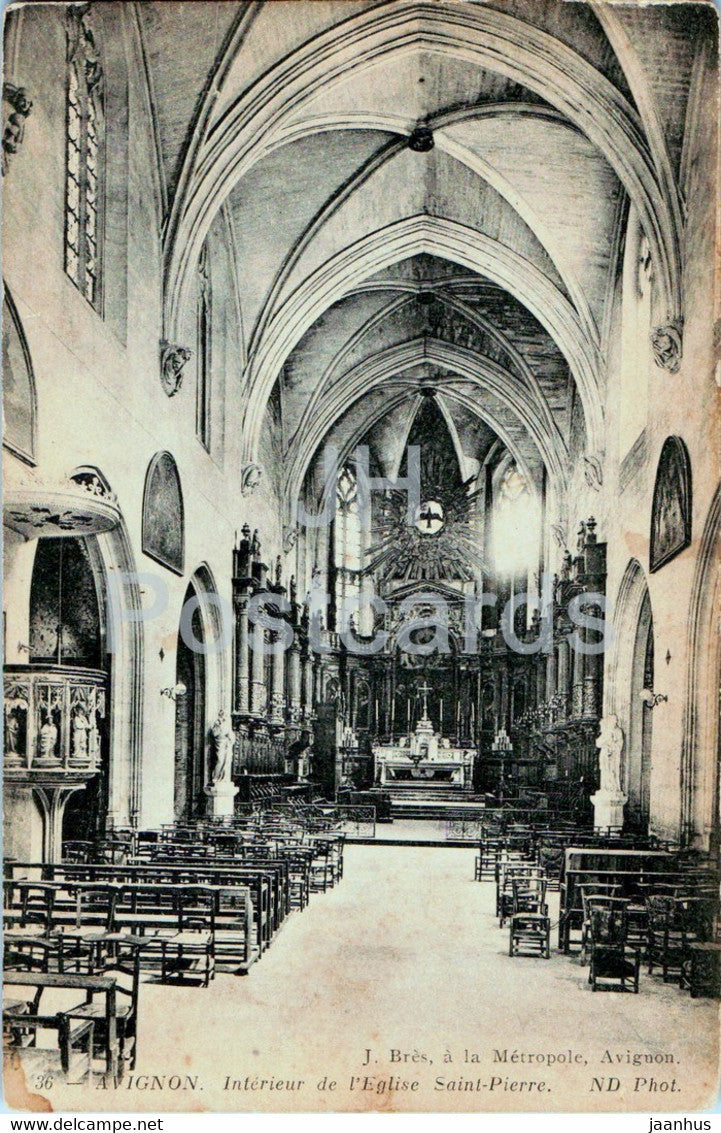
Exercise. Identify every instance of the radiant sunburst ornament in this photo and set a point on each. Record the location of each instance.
(439, 543)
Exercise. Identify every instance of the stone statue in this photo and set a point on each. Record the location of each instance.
(18, 110)
(81, 725)
(47, 739)
(172, 361)
(12, 733)
(610, 746)
(666, 346)
(223, 741)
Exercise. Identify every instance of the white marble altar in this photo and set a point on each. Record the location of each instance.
(423, 757)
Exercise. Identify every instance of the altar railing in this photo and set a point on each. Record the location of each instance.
(52, 720)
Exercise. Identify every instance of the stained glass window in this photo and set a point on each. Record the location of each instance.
(85, 131)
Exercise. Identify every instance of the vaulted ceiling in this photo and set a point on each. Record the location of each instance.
(423, 196)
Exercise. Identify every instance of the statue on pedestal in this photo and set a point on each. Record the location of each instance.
(610, 746)
(223, 741)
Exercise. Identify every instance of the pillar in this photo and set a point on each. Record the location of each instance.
(294, 684)
(307, 686)
(564, 676)
(241, 658)
(551, 674)
(277, 697)
(258, 691)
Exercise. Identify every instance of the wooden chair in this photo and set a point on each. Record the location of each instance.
(74, 1044)
(529, 894)
(674, 925)
(322, 874)
(507, 873)
(701, 969)
(36, 904)
(611, 960)
(31, 953)
(122, 963)
(81, 942)
(190, 952)
(23, 1023)
(597, 893)
(530, 930)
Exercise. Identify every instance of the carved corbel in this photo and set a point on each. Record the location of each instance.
(666, 345)
(250, 477)
(16, 109)
(593, 470)
(290, 537)
(559, 534)
(172, 361)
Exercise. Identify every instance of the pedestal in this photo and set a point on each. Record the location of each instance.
(608, 810)
(221, 800)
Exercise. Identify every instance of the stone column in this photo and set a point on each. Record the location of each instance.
(505, 698)
(241, 658)
(316, 686)
(277, 699)
(551, 674)
(541, 667)
(258, 693)
(578, 674)
(563, 669)
(52, 802)
(294, 684)
(307, 686)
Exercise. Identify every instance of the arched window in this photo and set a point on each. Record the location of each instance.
(163, 520)
(516, 522)
(202, 393)
(348, 548)
(85, 137)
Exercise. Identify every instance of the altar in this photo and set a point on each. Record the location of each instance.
(423, 758)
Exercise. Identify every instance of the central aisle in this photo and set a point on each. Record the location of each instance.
(406, 955)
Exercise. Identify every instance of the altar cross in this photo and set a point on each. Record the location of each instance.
(425, 689)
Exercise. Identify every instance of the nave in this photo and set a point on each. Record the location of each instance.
(406, 953)
(361, 375)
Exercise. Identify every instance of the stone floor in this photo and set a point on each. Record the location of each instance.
(404, 959)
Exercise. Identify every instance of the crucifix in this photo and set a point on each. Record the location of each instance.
(424, 689)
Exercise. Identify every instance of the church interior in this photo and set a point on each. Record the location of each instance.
(362, 520)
